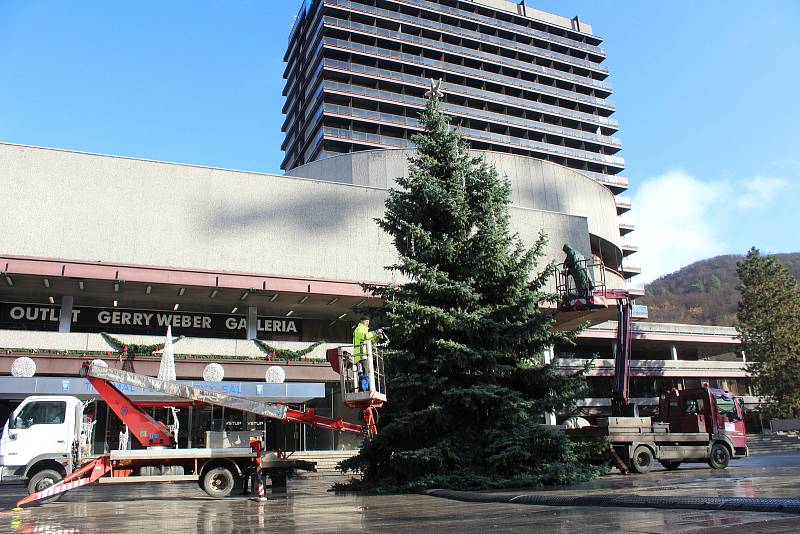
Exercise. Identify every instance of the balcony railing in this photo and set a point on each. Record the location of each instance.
(468, 112)
(477, 74)
(469, 34)
(479, 135)
(419, 81)
(489, 21)
(439, 46)
(613, 180)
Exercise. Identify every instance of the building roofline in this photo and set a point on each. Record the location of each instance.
(189, 165)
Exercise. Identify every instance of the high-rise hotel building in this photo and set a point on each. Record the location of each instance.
(515, 80)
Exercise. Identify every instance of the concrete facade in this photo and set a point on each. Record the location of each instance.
(137, 212)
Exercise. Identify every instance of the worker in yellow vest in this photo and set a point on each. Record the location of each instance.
(361, 335)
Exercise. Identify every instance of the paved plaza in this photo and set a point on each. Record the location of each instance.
(310, 507)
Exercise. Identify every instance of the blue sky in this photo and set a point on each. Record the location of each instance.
(707, 94)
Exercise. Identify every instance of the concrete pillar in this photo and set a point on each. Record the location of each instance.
(673, 350)
(252, 322)
(65, 320)
(548, 355)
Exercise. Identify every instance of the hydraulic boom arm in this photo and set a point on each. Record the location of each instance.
(620, 401)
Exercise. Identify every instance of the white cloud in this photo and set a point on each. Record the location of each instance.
(759, 191)
(674, 223)
(680, 219)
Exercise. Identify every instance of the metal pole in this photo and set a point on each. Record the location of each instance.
(65, 319)
(548, 355)
(252, 322)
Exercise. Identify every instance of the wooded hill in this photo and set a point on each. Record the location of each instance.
(703, 292)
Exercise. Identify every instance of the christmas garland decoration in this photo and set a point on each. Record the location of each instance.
(286, 354)
(133, 348)
(85, 353)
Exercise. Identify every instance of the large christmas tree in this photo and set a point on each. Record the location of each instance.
(466, 384)
(769, 326)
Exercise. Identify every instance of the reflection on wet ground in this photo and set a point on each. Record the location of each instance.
(309, 507)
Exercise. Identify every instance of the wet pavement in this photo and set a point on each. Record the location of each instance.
(309, 507)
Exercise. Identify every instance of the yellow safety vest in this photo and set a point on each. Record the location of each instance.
(360, 335)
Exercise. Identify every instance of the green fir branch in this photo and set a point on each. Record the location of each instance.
(134, 348)
(286, 354)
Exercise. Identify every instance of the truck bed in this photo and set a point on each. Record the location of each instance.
(268, 458)
(620, 430)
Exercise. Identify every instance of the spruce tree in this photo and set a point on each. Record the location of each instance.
(769, 327)
(467, 388)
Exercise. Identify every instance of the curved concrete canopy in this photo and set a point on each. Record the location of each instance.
(536, 184)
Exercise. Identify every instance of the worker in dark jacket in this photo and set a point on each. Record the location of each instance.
(575, 264)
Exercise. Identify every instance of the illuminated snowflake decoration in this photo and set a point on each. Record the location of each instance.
(213, 372)
(100, 363)
(275, 375)
(23, 367)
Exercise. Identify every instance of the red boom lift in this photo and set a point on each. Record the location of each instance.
(215, 469)
(693, 425)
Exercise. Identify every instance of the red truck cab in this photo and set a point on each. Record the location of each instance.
(715, 412)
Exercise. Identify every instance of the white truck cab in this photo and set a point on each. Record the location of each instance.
(40, 442)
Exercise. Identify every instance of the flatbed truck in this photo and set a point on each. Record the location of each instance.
(703, 425)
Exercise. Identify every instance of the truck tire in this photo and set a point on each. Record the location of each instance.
(218, 482)
(720, 456)
(43, 480)
(642, 461)
(670, 465)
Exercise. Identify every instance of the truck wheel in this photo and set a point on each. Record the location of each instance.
(720, 456)
(670, 465)
(642, 461)
(218, 482)
(43, 480)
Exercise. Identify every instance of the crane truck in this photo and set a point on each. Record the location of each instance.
(693, 425)
(41, 442)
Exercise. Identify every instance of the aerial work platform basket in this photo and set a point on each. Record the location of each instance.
(590, 291)
(367, 399)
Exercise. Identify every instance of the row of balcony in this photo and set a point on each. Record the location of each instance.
(483, 94)
(478, 135)
(631, 270)
(400, 18)
(615, 182)
(434, 7)
(623, 204)
(469, 112)
(628, 248)
(440, 46)
(477, 74)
